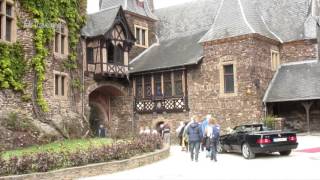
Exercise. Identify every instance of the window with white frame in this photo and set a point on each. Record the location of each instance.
(275, 60)
(7, 20)
(60, 84)
(229, 83)
(61, 39)
(141, 34)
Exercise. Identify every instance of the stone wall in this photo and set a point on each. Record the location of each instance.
(60, 109)
(251, 56)
(144, 22)
(298, 51)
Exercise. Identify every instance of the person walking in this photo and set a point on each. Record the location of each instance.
(195, 135)
(185, 134)
(214, 140)
(208, 137)
(179, 132)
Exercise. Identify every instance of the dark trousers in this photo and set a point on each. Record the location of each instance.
(214, 150)
(194, 148)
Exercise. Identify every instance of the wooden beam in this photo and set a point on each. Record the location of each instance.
(101, 57)
(152, 85)
(172, 84)
(184, 83)
(307, 106)
(143, 96)
(134, 87)
(162, 84)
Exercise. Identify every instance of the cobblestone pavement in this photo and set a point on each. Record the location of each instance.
(299, 165)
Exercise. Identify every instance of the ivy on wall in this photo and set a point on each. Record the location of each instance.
(12, 66)
(45, 15)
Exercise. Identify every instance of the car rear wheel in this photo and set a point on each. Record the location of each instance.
(285, 153)
(246, 152)
(220, 148)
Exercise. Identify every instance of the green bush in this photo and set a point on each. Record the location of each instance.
(47, 161)
(269, 122)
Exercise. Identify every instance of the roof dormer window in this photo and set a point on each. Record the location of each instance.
(140, 3)
(315, 8)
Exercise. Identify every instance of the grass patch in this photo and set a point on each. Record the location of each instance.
(59, 147)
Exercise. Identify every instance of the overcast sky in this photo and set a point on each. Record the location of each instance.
(93, 5)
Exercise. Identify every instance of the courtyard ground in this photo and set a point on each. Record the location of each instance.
(299, 165)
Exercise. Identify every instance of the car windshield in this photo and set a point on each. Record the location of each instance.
(248, 128)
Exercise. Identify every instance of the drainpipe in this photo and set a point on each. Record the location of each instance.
(82, 79)
(265, 109)
(318, 36)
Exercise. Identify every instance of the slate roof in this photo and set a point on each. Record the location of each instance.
(280, 20)
(98, 24)
(179, 30)
(235, 18)
(129, 5)
(295, 82)
(180, 52)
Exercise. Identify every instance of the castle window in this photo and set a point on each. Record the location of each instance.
(141, 36)
(110, 53)
(139, 87)
(315, 8)
(178, 89)
(60, 84)
(90, 55)
(61, 39)
(275, 60)
(6, 20)
(167, 84)
(228, 79)
(157, 85)
(140, 3)
(119, 55)
(147, 86)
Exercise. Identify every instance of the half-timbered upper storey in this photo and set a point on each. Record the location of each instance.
(108, 42)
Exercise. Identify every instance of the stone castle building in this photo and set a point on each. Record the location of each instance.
(205, 56)
(64, 107)
(236, 59)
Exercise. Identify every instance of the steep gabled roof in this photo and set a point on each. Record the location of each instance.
(295, 82)
(129, 5)
(99, 23)
(235, 18)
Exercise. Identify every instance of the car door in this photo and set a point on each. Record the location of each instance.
(238, 141)
(237, 138)
(233, 138)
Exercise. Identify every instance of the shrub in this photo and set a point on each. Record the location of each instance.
(269, 122)
(46, 161)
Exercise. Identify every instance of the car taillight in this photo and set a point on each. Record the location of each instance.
(292, 138)
(263, 141)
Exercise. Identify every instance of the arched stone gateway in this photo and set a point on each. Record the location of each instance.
(109, 108)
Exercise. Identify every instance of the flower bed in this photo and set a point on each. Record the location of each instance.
(43, 162)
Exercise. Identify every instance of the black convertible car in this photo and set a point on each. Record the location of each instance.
(252, 139)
